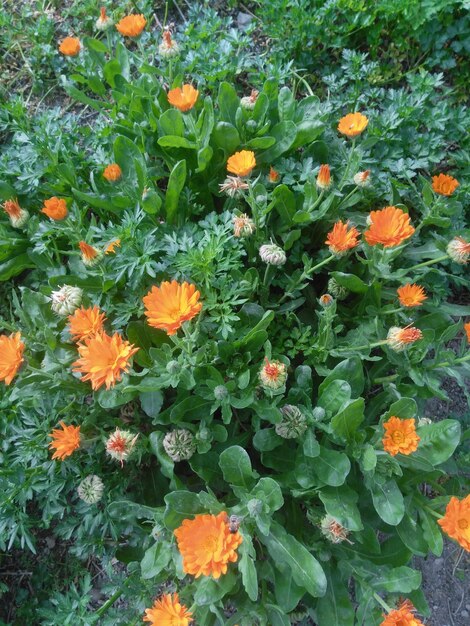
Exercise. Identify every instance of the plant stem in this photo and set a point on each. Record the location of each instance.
(382, 602)
(347, 197)
(321, 264)
(117, 594)
(448, 363)
(348, 165)
(432, 512)
(367, 345)
(430, 262)
(302, 80)
(393, 311)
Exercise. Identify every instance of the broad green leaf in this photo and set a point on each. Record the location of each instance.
(179, 506)
(155, 560)
(268, 491)
(346, 422)
(284, 201)
(351, 371)
(335, 607)
(175, 186)
(439, 441)
(228, 102)
(334, 396)
(284, 133)
(173, 141)
(266, 439)
(350, 281)
(388, 502)
(286, 104)
(247, 568)
(209, 591)
(432, 532)
(226, 137)
(130, 159)
(341, 503)
(405, 408)
(236, 467)
(396, 580)
(171, 123)
(412, 536)
(151, 402)
(332, 467)
(288, 593)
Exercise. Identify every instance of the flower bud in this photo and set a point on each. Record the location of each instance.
(273, 175)
(424, 421)
(324, 178)
(459, 250)
(293, 424)
(333, 530)
(90, 490)
(243, 226)
(318, 413)
(273, 375)
(248, 102)
(326, 300)
(272, 254)
(337, 290)
(362, 179)
(220, 392)
(179, 444)
(18, 216)
(66, 300)
(400, 338)
(168, 48)
(104, 21)
(120, 444)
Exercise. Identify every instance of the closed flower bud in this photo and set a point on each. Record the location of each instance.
(333, 530)
(104, 21)
(459, 250)
(66, 300)
(424, 421)
(220, 392)
(168, 48)
(18, 216)
(248, 102)
(179, 444)
(326, 300)
(293, 424)
(273, 375)
(243, 226)
(362, 179)
(324, 178)
(318, 413)
(120, 444)
(337, 290)
(400, 338)
(272, 254)
(90, 490)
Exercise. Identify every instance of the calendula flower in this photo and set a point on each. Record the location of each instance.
(18, 216)
(233, 186)
(86, 322)
(362, 179)
(112, 172)
(183, 98)
(90, 255)
(389, 227)
(120, 444)
(179, 444)
(272, 375)
(70, 46)
(66, 299)
(207, 545)
(342, 238)
(111, 247)
(103, 359)
(403, 616)
(168, 611)
(90, 490)
(456, 521)
(467, 330)
(243, 226)
(171, 304)
(459, 250)
(411, 295)
(293, 423)
(104, 21)
(248, 102)
(11, 356)
(273, 175)
(241, 163)
(324, 177)
(400, 436)
(326, 300)
(168, 48)
(55, 208)
(333, 530)
(352, 124)
(131, 25)
(64, 441)
(272, 254)
(444, 185)
(400, 338)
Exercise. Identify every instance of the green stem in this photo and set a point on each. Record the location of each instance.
(448, 363)
(393, 311)
(382, 602)
(321, 264)
(385, 379)
(117, 594)
(367, 345)
(302, 80)
(432, 512)
(348, 165)
(347, 197)
(430, 262)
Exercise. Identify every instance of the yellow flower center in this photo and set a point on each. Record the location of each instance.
(210, 544)
(463, 523)
(398, 437)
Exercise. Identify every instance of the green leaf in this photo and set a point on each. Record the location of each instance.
(335, 608)
(156, 558)
(346, 422)
(236, 467)
(332, 467)
(388, 502)
(209, 591)
(286, 104)
(334, 396)
(15, 266)
(439, 441)
(228, 102)
(204, 157)
(151, 402)
(287, 593)
(412, 536)
(171, 123)
(268, 491)
(247, 567)
(77, 94)
(284, 133)
(350, 281)
(179, 506)
(266, 439)
(175, 186)
(284, 201)
(226, 137)
(405, 408)
(396, 580)
(173, 141)
(340, 502)
(351, 371)
(432, 532)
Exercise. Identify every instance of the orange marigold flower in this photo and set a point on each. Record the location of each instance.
(444, 185)
(400, 436)
(90, 255)
(207, 545)
(112, 172)
(467, 330)
(103, 359)
(70, 46)
(86, 322)
(167, 611)
(55, 208)
(11, 356)
(111, 247)
(352, 124)
(326, 300)
(403, 616)
(131, 25)
(324, 177)
(399, 338)
(273, 174)
(241, 163)
(459, 250)
(64, 441)
(171, 304)
(342, 238)
(18, 216)
(411, 295)
(388, 227)
(120, 444)
(456, 521)
(183, 98)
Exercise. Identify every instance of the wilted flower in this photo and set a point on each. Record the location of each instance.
(444, 185)
(64, 441)
(272, 254)
(243, 226)
(352, 124)
(90, 255)
(273, 175)
(11, 356)
(66, 300)
(90, 490)
(168, 611)
(183, 98)
(273, 375)
(400, 436)
(70, 46)
(179, 444)
(131, 25)
(18, 216)
(362, 179)
(112, 172)
(248, 102)
(403, 616)
(171, 304)
(337, 290)
(342, 238)
(411, 295)
(207, 545)
(324, 177)
(55, 208)
(389, 227)
(456, 521)
(104, 21)
(467, 330)
(241, 163)
(326, 300)
(120, 444)
(400, 338)
(333, 530)
(293, 423)
(168, 48)
(86, 322)
(112, 245)
(459, 250)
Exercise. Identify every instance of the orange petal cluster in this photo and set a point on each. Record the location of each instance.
(55, 208)
(171, 304)
(183, 98)
(103, 359)
(411, 295)
(444, 185)
(352, 124)
(342, 238)
(388, 227)
(168, 611)
(89, 253)
(207, 545)
(456, 521)
(86, 322)
(400, 436)
(324, 177)
(11, 356)
(70, 46)
(273, 175)
(64, 441)
(112, 245)
(112, 172)
(131, 25)
(241, 163)
(466, 328)
(399, 338)
(12, 208)
(403, 616)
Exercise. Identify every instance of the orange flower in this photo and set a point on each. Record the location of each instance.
(207, 545)
(111, 247)
(18, 216)
(444, 185)
(352, 124)
(183, 98)
(103, 359)
(400, 436)
(64, 441)
(171, 304)
(411, 295)
(112, 173)
(273, 174)
(131, 25)
(86, 322)
(241, 163)
(399, 338)
(456, 521)
(324, 177)
(11, 356)
(167, 611)
(388, 227)
(70, 46)
(340, 239)
(90, 255)
(403, 616)
(467, 330)
(55, 208)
